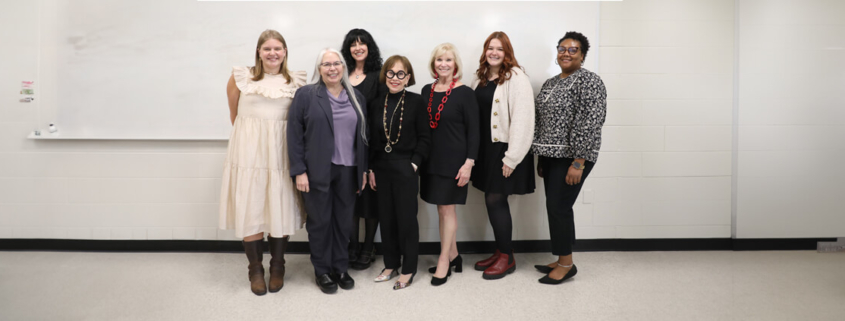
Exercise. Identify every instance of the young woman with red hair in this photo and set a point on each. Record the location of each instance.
(504, 165)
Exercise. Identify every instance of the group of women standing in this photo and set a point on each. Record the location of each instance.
(357, 145)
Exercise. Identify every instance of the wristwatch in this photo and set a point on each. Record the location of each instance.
(577, 165)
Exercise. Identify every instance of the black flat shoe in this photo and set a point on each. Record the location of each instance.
(457, 263)
(547, 280)
(544, 268)
(344, 280)
(435, 281)
(353, 252)
(326, 284)
(365, 259)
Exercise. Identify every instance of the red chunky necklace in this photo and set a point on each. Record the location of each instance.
(433, 123)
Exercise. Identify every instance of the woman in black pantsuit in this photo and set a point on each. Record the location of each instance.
(453, 118)
(400, 142)
(327, 148)
(571, 109)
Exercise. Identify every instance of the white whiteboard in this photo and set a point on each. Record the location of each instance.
(158, 69)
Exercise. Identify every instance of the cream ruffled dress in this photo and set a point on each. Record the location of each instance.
(258, 194)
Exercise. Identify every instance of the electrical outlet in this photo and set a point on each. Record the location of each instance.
(831, 247)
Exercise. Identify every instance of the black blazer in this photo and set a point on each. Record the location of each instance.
(310, 136)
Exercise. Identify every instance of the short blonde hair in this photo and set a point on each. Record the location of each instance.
(440, 50)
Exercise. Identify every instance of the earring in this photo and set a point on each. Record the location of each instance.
(556, 62)
(455, 73)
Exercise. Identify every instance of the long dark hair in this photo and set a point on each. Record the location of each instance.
(373, 61)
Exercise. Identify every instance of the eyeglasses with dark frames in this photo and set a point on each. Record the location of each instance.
(401, 74)
(572, 50)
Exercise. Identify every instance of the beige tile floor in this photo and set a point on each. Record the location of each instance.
(724, 285)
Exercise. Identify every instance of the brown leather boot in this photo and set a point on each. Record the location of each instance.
(504, 265)
(278, 246)
(255, 254)
(486, 263)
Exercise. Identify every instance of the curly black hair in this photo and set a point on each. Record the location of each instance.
(373, 62)
(580, 38)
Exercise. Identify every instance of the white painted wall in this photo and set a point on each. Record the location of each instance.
(664, 171)
(791, 117)
(665, 167)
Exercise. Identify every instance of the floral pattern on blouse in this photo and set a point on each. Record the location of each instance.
(569, 116)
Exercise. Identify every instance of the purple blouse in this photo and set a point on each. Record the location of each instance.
(345, 121)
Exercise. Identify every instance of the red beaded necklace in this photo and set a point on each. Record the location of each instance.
(433, 123)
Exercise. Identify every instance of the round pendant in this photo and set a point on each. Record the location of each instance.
(388, 149)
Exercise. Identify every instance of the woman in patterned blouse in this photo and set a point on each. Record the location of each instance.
(570, 113)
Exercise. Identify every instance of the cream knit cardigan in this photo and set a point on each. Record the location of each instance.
(512, 117)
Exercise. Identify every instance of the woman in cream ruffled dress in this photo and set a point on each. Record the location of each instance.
(258, 195)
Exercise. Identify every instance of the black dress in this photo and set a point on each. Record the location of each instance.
(371, 87)
(487, 172)
(366, 206)
(454, 140)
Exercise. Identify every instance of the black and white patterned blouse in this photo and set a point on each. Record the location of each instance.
(569, 116)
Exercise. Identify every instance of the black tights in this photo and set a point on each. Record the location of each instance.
(499, 213)
(370, 226)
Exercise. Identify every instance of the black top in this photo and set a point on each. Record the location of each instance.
(370, 87)
(484, 96)
(415, 140)
(457, 135)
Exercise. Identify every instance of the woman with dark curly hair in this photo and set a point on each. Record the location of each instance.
(571, 109)
(364, 59)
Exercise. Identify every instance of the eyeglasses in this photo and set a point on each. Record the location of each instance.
(562, 49)
(401, 74)
(330, 64)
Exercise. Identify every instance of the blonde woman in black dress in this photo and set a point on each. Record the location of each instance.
(453, 118)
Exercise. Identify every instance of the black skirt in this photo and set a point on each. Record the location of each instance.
(366, 205)
(439, 190)
(487, 172)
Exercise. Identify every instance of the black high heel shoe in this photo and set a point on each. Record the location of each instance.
(457, 263)
(548, 280)
(435, 281)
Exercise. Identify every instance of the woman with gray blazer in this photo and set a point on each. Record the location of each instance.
(327, 148)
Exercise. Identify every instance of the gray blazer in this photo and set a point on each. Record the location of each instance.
(310, 136)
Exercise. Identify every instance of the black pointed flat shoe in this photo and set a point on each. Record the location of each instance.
(545, 269)
(547, 280)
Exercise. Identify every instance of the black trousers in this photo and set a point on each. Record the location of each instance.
(559, 200)
(329, 221)
(397, 186)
